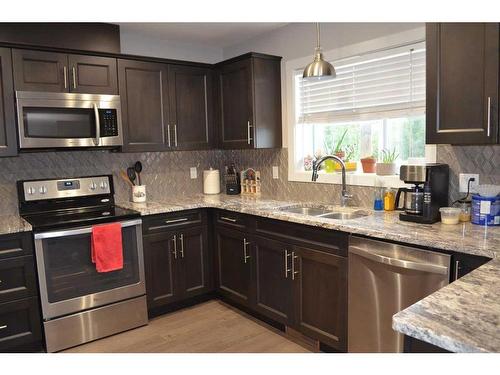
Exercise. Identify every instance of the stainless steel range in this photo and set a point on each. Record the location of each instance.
(78, 303)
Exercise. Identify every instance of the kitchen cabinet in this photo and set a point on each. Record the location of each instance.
(8, 139)
(191, 105)
(234, 261)
(462, 264)
(60, 72)
(176, 258)
(462, 83)
(144, 96)
(249, 91)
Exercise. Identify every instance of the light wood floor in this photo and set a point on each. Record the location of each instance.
(211, 327)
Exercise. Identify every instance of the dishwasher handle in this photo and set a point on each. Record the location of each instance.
(407, 264)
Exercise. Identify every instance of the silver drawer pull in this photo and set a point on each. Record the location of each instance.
(286, 256)
(174, 238)
(3, 327)
(228, 219)
(245, 253)
(293, 265)
(176, 220)
(181, 238)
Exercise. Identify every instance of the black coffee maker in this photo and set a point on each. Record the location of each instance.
(427, 195)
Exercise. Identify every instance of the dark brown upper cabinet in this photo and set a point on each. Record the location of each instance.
(8, 140)
(462, 83)
(249, 92)
(60, 72)
(93, 74)
(144, 97)
(191, 107)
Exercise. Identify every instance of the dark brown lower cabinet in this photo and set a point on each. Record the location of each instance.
(177, 265)
(234, 262)
(320, 295)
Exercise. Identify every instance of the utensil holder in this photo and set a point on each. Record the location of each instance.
(139, 193)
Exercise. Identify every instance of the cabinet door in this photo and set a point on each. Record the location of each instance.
(144, 102)
(17, 278)
(234, 265)
(273, 280)
(235, 86)
(462, 264)
(320, 290)
(40, 71)
(191, 104)
(462, 83)
(93, 74)
(194, 270)
(159, 264)
(8, 140)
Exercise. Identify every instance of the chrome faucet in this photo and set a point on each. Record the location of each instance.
(344, 196)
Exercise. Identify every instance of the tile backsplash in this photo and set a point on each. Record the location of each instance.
(167, 173)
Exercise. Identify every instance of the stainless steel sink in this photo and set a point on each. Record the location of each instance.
(325, 212)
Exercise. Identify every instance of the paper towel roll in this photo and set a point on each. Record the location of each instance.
(211, 181)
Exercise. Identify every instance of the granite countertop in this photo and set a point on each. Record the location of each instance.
(461, 317)
(13, 224)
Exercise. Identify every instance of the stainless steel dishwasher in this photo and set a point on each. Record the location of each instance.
(385, 278)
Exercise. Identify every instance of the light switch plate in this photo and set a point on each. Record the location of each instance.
(193, 172)
(464, 179)
(275, 172)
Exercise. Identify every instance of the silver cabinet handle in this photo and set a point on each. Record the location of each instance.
(168, 134)
(176, 220)
(228, 219)
(181, 238)
(293, 265)
(3, 327)
(73, 70)
(457, 268)
(249, 136)
(175, 134)
(286, 256)
(97, 139)
(488, 130)
(65, 72)
(174, 239)
(245, 254)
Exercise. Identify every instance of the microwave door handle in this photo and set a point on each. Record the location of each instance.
(97, 139)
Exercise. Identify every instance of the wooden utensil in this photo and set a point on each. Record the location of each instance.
(125, 178)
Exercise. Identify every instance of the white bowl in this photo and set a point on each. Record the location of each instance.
(488, 190)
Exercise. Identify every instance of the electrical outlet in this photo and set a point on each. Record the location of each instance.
(275, 172)
(464, 180)
(193, 173)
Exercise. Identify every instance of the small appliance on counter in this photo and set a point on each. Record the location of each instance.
(232, 180)
(427, 195)
(211, 181)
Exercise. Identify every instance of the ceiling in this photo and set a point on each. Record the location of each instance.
(215, 34)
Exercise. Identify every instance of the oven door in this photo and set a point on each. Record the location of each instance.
(68, 279)
(60, 120)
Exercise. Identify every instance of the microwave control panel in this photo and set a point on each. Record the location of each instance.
(109, 122)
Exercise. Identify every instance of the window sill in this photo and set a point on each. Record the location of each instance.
(352, 178)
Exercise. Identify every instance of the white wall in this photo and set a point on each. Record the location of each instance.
(145, 45)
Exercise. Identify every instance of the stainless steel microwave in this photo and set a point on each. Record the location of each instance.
(61, 120)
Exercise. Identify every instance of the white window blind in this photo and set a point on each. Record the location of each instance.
(375, 85)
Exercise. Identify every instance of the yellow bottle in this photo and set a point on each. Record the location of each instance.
(389, 200)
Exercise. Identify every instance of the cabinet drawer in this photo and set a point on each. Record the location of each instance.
(303, 235)
(173, 221)
(17, 278)
(19, 323)
(234, 220)
(15, 245)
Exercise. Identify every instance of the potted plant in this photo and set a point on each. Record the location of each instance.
(388, 166)
(350, 165)
(336, 150)
(368, 164)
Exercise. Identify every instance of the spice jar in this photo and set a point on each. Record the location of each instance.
(465, 210)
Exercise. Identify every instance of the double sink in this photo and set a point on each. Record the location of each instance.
(325, 212)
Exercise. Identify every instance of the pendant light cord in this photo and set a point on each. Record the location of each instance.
(317, 35)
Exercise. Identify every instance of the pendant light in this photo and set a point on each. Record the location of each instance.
(319, 68)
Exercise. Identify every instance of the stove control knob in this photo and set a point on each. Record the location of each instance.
(31, 190)
(104, 185)
(93, 185)
(43, 190)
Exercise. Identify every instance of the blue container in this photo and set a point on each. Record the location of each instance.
(485, 210)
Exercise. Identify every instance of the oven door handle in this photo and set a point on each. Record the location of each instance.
(97, 139)
(77, 231)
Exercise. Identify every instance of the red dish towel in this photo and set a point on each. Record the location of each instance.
(106, 247)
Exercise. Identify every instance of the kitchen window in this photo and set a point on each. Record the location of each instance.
(374, 106)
